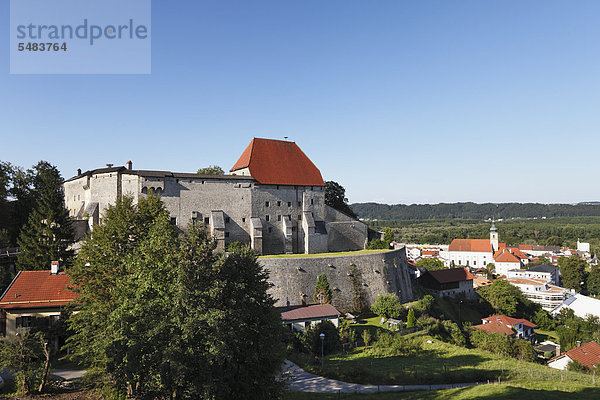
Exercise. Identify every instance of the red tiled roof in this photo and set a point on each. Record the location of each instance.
(470, 245)
(278, 162)
(507, 256)
(37, 289)
(587, 355)
(451, 275)
(510, 321)
(314, 311)
(525, 247)
(495, 327)
(518, 253)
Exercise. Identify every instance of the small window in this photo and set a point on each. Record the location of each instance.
(266, 204)
(312, 201)
(226, 234)
(207, 220)
(311, 188)
(299, 217)
(270, 229)
(289, 203)
(277, 187)
(279, 218)
(293, 229)
(267, 217)
(299, 204)
(474, 262)
(173, 221)
(227, 220)
(243, 219)
(278, 204)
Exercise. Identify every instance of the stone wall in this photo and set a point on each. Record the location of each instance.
(385, 272)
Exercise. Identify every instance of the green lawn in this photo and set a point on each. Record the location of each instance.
(529, 391)
(547, 335)
(438, 362)
(333, 254)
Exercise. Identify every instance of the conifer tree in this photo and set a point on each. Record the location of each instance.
(410, 319)
(48, 234)
(322, 290)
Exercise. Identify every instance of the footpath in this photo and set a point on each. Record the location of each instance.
(299, 380)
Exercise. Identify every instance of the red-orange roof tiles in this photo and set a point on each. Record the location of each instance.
(495, 327)
(507, 256)
(314, 311)
(278, 162)
(32, 289)
(587, 354)
(509, 320)
(470, 245)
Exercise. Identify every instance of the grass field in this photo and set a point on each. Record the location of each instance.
(333, 254)
(439, 362)
(529, 391)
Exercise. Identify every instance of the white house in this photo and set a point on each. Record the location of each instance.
(581, 305)
(304, 317)
(587, 355)
(513, 327)
(547, 273)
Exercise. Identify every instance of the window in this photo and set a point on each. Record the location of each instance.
(279, 218)
(278, 204)
(226, 234)
(266, 217)
(293, 229)
(299, 217)
(266, 204)
(312, 201)
(474, 262)
(289, 203)
(270, 229)
(25, 321)
(173, 221)
(299, 204)
(243, 219)
(207, 220)
(227, 220)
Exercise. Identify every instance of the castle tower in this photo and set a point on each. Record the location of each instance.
(494, 237)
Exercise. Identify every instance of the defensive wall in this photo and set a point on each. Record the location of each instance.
(371, 273)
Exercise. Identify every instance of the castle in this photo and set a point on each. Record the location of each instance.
(273, 200)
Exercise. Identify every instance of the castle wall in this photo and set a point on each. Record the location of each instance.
(385, 272)
(344, 232)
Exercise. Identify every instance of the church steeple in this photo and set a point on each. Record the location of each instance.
(494, 237)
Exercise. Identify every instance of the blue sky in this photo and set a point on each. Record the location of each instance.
(399, 101)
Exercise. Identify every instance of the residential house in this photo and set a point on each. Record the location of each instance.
(449, 282)
(540, 291)
(302, 318)
(513, 327)
(33, 295)
(587, 355)
(547, 273)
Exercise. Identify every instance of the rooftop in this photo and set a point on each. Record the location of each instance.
(587, 354)
(33, 289)
(451, 275)
(309, 312)
(471, 245)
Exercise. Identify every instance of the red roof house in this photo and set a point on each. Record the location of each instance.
(277, 162)
(449, 282)
(515, 327)
(587, 355)
(33, 294)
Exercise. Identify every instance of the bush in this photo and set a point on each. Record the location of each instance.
(410, 319)
(312, 339)
(389, 344)
(454, 332)
(388, 305)
(576, 366)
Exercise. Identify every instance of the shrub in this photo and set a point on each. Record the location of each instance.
(312, 339)
(389, 344)
(387, 305)
(454, 332)
(366, 337)
(410, 319)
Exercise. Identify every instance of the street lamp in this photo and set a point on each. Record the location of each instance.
(322, 336)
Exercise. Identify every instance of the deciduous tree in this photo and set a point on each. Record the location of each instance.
(572, 272)
(335, 196)
(211, 170)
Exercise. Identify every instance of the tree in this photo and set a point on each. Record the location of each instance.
(593, 280)
(163, 315)
(377, 244)
(335, 197)
(387, 305)
(572, 272)
(503, 297)
(331, 341)
(47, 235)
(211, 170)
(24, 354)
(430, 264)
(322, 291)
(410, 319)
(388, 236)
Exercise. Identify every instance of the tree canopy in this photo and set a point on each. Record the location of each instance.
(503, 297)
(211, 170)
(335, 196)
(572, 272)
(48, 234)
(165, 315)
(323, 292)
(430, 264)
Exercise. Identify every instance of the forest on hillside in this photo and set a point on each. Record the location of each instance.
(473, 210)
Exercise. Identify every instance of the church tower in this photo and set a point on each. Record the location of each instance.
(494, 237)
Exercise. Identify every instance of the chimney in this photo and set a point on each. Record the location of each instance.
(129, 165)
(78, 171)
(557, 348)
(579, 343)
(54, 268)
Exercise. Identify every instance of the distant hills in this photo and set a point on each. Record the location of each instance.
(474, 210)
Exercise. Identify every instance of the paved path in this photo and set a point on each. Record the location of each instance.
(302, 381)
(67, 374)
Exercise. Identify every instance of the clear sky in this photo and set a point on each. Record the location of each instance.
(399, 101)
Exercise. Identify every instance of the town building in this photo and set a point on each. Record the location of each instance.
(582, 306)
(449, 282)
(273, 200)
(547, 273)
(302, 318)
(540, 291)
(512, 327)
(588, 355)
(34, 295)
